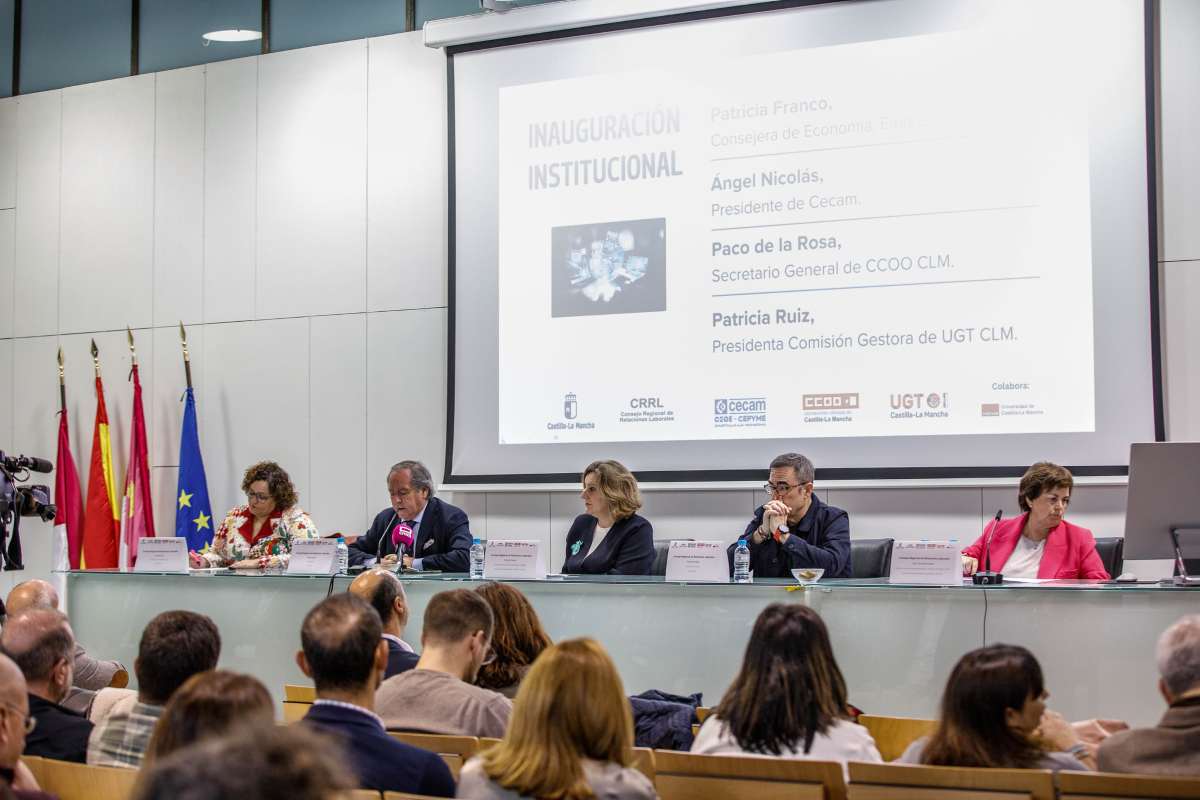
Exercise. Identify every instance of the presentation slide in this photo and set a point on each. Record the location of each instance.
(798, 244)
(903, 237)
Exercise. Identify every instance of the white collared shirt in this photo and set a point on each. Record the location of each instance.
(405, 646)
(1025, 559)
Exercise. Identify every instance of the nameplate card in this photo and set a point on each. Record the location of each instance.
(697, 561)
(162, 554)
(513, 559)
(313, 557)
(929, 562)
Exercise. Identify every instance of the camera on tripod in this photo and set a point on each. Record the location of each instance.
(23, 501)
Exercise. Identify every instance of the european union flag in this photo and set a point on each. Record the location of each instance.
(193, 512)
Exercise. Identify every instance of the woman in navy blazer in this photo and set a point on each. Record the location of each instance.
(610, 539)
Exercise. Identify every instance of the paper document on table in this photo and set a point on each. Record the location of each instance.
(935, 563)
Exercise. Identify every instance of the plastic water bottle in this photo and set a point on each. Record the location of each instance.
(741, 562)
(343, 556)
(477, 554)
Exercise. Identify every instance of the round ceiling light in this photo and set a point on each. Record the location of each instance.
(234, 35)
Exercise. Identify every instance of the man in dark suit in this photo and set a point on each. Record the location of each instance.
(42, 644)
(382, 590)
(418, 529)
(794, 528)
(1173, 746)
(342, 651)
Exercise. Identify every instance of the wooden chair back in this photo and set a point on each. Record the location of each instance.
(643, 762)
(685, 775)
(294, 712)
(893, 735)
(902, 782)
(702, 713)
(1106, 785)
(71, 781)
(35, 766)
(295, 693)
(454, 750)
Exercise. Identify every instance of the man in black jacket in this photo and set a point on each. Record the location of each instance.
(41, 643)
(794, 528)
(418, 528)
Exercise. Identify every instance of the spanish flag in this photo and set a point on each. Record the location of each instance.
(101, 523)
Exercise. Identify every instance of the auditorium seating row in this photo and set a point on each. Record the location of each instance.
(677, 776)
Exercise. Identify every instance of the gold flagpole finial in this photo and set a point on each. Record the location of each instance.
(96, 357)
(62, 382)
(61, 371)
(132, 349)
(187, 362)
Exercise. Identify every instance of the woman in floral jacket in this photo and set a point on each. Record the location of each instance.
(260, 534)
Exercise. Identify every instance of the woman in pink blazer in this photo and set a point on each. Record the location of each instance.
(1039, 543)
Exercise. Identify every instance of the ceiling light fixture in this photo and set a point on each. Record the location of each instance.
(233, 35)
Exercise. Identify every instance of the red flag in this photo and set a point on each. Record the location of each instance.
(137, 511)
(101, 525)
(68, 527)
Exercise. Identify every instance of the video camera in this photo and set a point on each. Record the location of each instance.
(21, 501)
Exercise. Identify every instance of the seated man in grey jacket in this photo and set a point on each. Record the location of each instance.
(1173, 746)
(91, 674)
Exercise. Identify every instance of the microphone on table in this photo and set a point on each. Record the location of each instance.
(402, 539)
(987, 577)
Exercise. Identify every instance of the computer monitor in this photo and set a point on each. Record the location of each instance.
(1163, 510)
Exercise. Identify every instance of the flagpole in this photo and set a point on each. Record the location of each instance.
(187, 362)
(62, 383)
(132, 349)
(96, 357)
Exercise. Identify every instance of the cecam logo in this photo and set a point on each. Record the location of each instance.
(844, 401)
(740, 405)
(912, 401)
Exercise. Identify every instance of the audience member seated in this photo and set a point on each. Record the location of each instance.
(91, 674)
(259, 534)
(610, 538)
(15, 724)
(794, 528)
(175, 646)
(384, 592)
(40, 641)
(209, 704)
(571, 734)
(994, 714)
(438, 695)
(344, 655)
(1173, 746)
(789, 698)
(1039, 543)
(271, 762)
(417, 531)
(517, 640)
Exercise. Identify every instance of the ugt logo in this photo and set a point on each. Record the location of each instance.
(570, 406)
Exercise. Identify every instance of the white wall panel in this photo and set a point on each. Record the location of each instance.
(106, 268)
(720, 516)
(35, 401)
(312, 181)
(473, 504)
(1180, 158)
(338, 428)
(230, 180)
(523, 515)
(406, 187)
(1181, 348)
(163, 481)
(564, 508)
(255, 405)
(8, 152)
(39, 153)
(7, 395)
(164, 398)
(179, 196)
(8, 267)
(910, 513)
(118, 391)
(406, 394)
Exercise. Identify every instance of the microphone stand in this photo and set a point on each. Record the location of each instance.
(987, 577)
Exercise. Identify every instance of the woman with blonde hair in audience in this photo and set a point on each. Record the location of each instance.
(209, 704)
(994, 715)
(517, 640)
(789, 699)
(570, 736)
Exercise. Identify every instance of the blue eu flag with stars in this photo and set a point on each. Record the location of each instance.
(193, 512)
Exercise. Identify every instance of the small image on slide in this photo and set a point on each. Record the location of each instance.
(609, 268)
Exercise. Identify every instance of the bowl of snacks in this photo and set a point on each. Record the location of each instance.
(807, 575)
